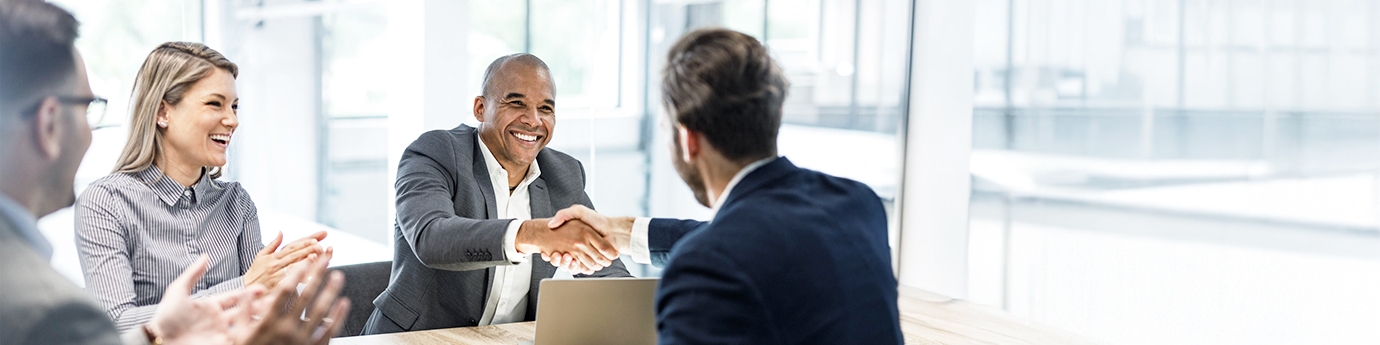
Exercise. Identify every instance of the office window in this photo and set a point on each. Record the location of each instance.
(846, 61)
(1197, 171)
(355, 191)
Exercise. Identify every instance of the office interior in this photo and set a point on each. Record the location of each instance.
(1131, 171)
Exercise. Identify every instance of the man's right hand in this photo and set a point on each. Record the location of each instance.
(616, 230)
(183, 320)
(584, 244)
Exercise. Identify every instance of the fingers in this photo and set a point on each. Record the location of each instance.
(321, 305)
(569, 263)
(585, 258)
(297, 251)
(272, 246)
(316, 272)
(572, 212)
(338, 314)
(564, 261)
(305, 243)
(231, 299)
(604, 249)
(182, 286)
(281, 294)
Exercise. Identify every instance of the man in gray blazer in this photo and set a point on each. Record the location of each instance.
(44, 132)
(468, 200)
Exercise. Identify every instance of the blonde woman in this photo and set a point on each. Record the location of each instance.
(140, 226)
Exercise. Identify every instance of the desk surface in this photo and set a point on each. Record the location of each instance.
(926, 318)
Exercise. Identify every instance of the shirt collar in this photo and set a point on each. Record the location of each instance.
(498, 176)
(170, 191)
(24, 222)
(737, 178)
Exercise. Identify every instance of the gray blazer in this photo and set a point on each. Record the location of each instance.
(446, 240)
(39, 306)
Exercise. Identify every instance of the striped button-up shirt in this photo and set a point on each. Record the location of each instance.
(136, 232)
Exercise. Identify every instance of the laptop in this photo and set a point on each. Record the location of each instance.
(596, 311)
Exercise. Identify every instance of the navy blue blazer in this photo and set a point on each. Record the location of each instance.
(794, 256)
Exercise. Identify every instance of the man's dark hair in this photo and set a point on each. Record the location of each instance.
(522, 58)
(37, 56)
(725, 85)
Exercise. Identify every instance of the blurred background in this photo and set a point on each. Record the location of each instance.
(1133, 171)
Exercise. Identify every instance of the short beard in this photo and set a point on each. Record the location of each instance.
(688, 173)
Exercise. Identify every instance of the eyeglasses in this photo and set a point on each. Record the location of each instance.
(95, 109)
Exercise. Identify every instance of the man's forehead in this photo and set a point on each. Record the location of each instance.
(521, 78)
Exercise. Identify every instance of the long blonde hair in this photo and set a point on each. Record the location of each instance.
(166, 75)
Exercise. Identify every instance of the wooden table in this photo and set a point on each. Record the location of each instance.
(926, 318)
(505, 334)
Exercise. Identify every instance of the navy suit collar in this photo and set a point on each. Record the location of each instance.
(758, 179)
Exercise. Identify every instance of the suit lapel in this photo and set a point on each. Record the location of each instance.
(486, 184)
(541, 208)
(540, 199)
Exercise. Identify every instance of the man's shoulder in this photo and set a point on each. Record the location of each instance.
(36, 297)
(460, 136)
(792, 206)
(561, 171)
(550, 158)
(810, 191)
(446, 148)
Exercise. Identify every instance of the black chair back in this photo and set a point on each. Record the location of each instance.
(363, 283)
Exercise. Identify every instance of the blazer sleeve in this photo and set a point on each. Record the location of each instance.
(74, 323)
(105, 260)
(706, 298)
(662, 235)
(426, 211)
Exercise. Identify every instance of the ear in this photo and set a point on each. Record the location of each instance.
(162, 116)
(689, 143)
(46, 128)
(479, 108)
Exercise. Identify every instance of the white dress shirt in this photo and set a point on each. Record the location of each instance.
(638, 246)
(511, 283)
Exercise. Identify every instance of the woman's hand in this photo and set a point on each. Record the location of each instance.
(271, 264)
(281, 316)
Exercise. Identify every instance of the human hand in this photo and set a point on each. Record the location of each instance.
(180, 319)
(584, 244)
(310, 318)
(272, 263)
(616, 230)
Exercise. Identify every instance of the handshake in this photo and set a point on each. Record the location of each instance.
(577, 239)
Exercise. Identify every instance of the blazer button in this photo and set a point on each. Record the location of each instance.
(474, 322)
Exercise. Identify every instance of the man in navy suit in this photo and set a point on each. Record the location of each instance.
(792, 256)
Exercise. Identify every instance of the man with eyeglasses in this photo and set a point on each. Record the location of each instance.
(95, 109)
(43, 88)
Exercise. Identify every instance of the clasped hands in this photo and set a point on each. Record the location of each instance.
(576, 239)
(255, 315)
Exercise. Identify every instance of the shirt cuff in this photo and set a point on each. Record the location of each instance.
(510, 243)
(638, 248)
